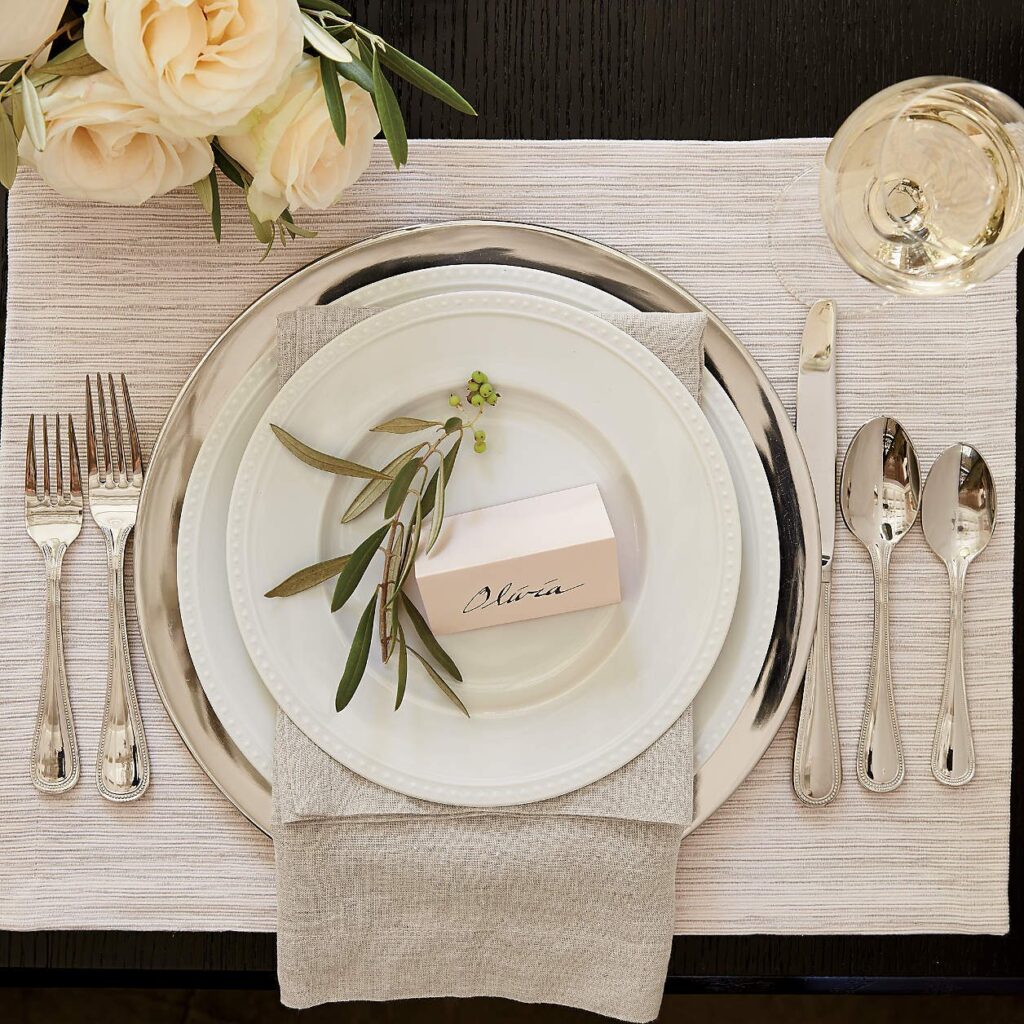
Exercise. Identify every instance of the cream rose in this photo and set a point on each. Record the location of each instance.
(290, 149)
(101, 145)
(26, 23)
(199, 65)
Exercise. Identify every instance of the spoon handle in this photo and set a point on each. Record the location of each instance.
(817, 768)
(953, 761)
(880, 766)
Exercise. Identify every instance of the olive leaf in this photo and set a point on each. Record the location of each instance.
(393, 554)
(17, 119)
(231, 170)
(400, 487)
(438, 492)
(412, 546)
(262, 229)
(374, 490)
(356, 566)
(389, 113)
(8, 71)
(205, 193)
(332, 94)
(8, 151)
(358, 653)
(323, 42)
(320, 460)
(356, 71)
(404, 425)
(437, 652)
(439, 682)
(449, 465)
(215, 209)
(424, 79)
(325, 5)
(35, 123)
(293, 229)
(208, 192)
(306, 579)
(403, 667)
(74, 61)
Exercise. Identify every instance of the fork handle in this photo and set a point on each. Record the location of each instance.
(122, 764)
(54, 747)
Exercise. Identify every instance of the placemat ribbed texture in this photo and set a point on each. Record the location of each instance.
(146, 291)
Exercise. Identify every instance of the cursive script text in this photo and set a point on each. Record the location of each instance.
(510, 594)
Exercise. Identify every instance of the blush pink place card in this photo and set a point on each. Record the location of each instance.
(523, 560)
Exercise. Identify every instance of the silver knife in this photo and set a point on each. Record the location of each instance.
(817, 768)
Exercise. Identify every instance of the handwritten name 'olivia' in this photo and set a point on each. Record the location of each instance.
(511, 594)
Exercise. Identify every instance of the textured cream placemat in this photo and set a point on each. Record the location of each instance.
(146, 291)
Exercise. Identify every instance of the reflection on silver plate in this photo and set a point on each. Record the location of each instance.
(334, 275)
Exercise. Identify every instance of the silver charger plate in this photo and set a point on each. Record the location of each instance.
(415, 248)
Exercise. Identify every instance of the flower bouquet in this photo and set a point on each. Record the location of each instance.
(118, 101)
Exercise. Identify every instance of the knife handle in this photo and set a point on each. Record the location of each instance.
(817, 766)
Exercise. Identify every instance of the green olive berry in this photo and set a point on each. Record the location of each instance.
(480, 447)
(486, 389)
(472, 387)
(479, 435)
(453, 401)
(491, 399)
(477, 399)
(479, 377)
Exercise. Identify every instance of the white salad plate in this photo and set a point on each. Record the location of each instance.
(557, 702)
(246, 709)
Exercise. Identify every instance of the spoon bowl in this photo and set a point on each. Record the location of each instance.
(879, 496)
(959, 516)
(959, 506)
(881, 485)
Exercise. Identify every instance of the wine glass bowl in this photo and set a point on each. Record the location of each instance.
(922, 188)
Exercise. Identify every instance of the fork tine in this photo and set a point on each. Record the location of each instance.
(133, 432)
(118, 435)
(30, 460)
(60, 460)
(107, 467)
(74, 466)
(90, 430)
(46, 462)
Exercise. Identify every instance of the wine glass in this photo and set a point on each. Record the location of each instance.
(922, 188)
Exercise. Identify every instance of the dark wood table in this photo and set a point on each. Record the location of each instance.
(693, 69)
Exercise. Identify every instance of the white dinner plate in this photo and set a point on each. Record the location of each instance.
(556, 702)
(242, 703)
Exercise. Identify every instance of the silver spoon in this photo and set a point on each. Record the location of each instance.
(958, 515)
(879, 497)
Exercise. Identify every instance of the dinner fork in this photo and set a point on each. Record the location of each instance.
(53, 520)
(122, 763)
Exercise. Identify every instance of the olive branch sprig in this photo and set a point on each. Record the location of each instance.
(412, 486)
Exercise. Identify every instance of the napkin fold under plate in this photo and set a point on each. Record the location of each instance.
(568, 900)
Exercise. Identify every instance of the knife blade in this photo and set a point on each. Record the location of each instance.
(817, 767)
(816, 415)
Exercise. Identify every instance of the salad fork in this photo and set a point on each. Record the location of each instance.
(53, 520)
(122, 763)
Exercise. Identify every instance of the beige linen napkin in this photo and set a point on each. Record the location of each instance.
(568, 900)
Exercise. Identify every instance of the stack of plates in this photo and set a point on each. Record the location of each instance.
(716, 606)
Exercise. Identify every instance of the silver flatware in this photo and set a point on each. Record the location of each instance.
(958, 513)
(879, 495)
(122, 763)
(817, 766)
(53, 519)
